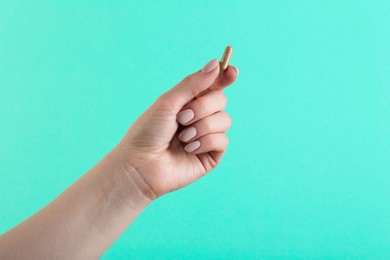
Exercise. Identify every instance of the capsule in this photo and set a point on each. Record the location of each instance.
(224, 63)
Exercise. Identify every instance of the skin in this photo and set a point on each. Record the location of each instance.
(84, 220)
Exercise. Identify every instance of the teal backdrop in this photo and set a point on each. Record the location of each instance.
(307, 171)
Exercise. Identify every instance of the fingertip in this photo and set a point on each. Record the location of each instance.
(230, 74)
(226, 78)
(210, 66)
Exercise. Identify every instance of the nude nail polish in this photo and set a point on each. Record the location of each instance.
(192, 146)
(187, 134)
(210, 66)
(185, 116)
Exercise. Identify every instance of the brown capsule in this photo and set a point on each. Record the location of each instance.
(224, 62)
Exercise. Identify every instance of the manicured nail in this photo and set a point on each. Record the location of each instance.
(192, 146)
(210, 66)
(187, 134)
(185, 116)
(236, 70)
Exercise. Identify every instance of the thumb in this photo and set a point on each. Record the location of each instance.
(191, 86)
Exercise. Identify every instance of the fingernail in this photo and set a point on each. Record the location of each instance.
(192, 146)
(210, 66)
(187, 134)
(236, 70)
(185, 116)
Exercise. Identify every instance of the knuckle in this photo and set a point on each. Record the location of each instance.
(213, 142)
(226, 119)
(208, 125)
(226, 116)
(222, 98)
(201, 105)
(227, 141)
(162, 99)
(224, 140)
(218, 140)
(229, 120)
(163, 103)
(188, 79)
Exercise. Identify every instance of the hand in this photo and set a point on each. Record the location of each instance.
(148, 162)
(182, 136)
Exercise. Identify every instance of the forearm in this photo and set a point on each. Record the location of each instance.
(83, 221)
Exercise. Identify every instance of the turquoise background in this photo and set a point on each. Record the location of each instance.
(307, 171)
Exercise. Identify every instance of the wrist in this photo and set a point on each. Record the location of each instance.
(128, 180)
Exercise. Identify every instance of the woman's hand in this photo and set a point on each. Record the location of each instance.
(84, 220)
(182, 136)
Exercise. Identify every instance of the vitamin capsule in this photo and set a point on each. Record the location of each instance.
(224, 63)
